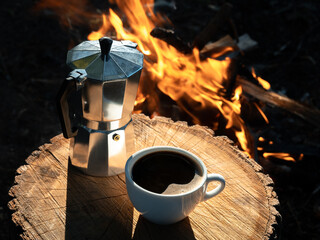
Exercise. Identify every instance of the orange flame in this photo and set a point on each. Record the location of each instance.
(106, 26)
(182, 77)
(262, 113)
(283, 156)
(262, 82)
(301, 156)
(196, 85)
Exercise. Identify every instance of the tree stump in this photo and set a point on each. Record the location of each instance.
(52, 200)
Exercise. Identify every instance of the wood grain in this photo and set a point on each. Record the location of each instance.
(52, 200)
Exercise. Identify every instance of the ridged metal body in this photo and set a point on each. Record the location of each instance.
(104, 139)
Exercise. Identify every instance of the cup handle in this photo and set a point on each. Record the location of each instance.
(214, 177)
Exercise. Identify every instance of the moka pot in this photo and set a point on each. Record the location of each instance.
(106, 77)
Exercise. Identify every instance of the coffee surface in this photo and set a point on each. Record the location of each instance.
(166, 173)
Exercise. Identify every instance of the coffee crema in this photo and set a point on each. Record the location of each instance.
(167, 172)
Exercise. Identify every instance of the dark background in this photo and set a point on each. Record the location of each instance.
(32, 67)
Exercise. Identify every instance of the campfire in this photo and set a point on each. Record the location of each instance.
(202, 82)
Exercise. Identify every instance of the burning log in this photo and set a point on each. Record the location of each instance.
(227, 47)
(54, 201)
(169, 36)
(308, 114)
(215, 49)
(219, 47)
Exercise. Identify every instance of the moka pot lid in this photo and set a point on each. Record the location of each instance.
(106, 59)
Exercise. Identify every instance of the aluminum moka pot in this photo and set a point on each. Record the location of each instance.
(105, 79)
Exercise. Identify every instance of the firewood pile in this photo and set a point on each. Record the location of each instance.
(278, 39)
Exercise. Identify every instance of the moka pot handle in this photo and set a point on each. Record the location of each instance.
(73, 82)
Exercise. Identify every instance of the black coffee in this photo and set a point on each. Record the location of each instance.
(166, 173)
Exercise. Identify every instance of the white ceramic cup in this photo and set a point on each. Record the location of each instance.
(164, 208)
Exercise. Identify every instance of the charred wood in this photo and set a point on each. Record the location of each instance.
(169, 36)
(213, 26)
(217, 48)
(228, 47)
(311, 115)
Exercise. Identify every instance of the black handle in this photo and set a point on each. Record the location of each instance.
(70, 84)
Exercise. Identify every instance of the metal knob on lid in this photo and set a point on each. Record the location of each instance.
(105, 46)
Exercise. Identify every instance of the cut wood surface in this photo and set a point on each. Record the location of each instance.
(52, 200)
